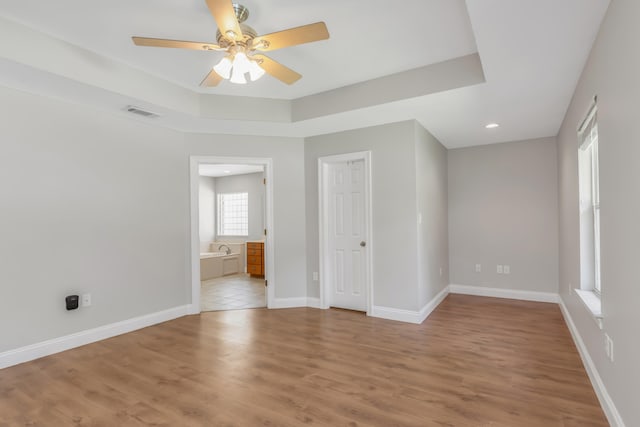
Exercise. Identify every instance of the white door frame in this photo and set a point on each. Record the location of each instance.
(194, 163)
(323, 221)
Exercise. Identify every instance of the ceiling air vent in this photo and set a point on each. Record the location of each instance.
(135, 110)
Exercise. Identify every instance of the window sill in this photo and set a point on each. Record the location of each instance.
(592, 302)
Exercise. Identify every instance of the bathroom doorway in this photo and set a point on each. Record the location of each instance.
(232, 209)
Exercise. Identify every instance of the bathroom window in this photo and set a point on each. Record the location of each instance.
(233, 214)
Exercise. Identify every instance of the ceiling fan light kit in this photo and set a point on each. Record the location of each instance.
(237, 64)
(240, 42)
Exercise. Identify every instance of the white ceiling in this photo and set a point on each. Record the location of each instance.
(532, 53)
(218, 170)
(359, 48)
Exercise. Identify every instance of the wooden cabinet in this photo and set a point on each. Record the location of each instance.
(255, 258)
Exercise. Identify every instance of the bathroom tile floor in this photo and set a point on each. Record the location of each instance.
(232, 292)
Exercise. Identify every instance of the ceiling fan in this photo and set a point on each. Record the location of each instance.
(241, 42)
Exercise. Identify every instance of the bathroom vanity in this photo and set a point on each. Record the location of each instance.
(255, 258)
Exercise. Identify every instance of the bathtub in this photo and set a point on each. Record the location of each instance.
(212, 254)
(218, 264)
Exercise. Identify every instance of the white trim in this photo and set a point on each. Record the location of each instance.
(323, 215)
(591, 301)
(504, 293)
(410, 316)
(296, 302)
(67, 342)
(593, 106)
(433, 304)
(313, 302)
(398, 314)
(610, 410)
(267, 163)
(289, 302)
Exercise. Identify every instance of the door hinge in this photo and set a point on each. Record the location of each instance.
(264, 181)
(266, 283)
(265, 231)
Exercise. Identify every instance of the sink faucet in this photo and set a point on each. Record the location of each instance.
(228, 250)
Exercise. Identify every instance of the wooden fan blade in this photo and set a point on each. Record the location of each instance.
(147, 41)
(277, 70)
(212, 79)
(291, 37)
(225, 16)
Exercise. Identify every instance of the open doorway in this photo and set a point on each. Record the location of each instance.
(230, 249)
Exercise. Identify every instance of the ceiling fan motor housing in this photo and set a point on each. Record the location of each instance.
(242, 13)
(248, 34)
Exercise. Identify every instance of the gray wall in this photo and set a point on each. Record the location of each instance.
(251, 183)
(431, 195)
(90, 203)
(96, 203)
(612, 73)
(289, 198)
(503, 210)
(394, 207)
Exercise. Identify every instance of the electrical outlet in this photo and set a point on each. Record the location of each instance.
(440, 271)
(86, 300)
(315, 276)
(478, 268)
(506, 269)
(499, 269)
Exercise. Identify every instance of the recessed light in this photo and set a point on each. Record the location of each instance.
(227, 171)
(492, 125)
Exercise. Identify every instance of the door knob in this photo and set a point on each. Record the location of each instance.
(363, 243)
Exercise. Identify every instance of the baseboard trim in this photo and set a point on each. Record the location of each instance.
(67, 342)
(410, 316)
(193, 309)
(610, 410)
(433, 304)
(289, 302)
(504, 293)
(313, 302)
(397, 314)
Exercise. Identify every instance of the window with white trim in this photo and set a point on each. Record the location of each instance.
(233, 214)
(589, 182)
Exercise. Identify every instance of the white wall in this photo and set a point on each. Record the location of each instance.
(92, 202)
(612, 73)
(503, 210)
(431, 196)
(252, 184)
(207, 216)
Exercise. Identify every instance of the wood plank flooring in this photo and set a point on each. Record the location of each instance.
(475, 362)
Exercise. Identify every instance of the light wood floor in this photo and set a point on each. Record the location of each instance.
(475, 362)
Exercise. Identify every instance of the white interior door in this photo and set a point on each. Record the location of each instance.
(347, 240)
